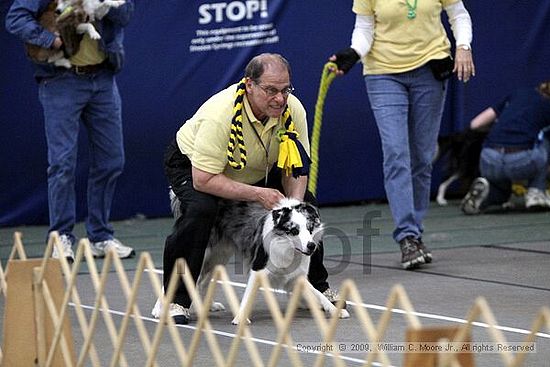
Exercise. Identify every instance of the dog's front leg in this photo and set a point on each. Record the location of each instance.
(202, 285)
(325, 303)
(59, 60)
(246, 298)
(105, 6)
(443, 189)
(114, 3)
(88, 28)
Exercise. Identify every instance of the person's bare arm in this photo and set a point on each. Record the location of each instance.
(222, 186)
(484, 120)
(295, 187)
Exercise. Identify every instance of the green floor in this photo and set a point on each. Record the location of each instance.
(502, 257)
(354, 229)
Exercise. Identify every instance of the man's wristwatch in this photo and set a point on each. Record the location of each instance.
(464, 47)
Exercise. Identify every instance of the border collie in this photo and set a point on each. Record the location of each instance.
(276, 242)
(463, 150)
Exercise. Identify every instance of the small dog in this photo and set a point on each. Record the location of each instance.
(93, 9)
(463, 150)
(276, 242)
(70, 19)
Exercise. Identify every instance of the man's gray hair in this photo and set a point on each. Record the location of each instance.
(256, 67)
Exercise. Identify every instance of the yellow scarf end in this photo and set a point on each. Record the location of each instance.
(289, 156)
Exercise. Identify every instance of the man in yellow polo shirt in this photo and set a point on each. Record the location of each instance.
(201, 166)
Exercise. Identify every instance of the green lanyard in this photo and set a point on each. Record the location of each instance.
(412, 9)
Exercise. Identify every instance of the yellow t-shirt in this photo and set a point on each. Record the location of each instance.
(401, 44)
(88, 53)
(204, 137)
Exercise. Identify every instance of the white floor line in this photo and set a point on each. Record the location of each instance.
(419, 314)
(231, 335)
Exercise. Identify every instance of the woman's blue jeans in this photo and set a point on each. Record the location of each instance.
(93, 99)
(407, 108)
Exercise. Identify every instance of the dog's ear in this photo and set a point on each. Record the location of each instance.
(280, 215)
(312, 214)
(276, 215)
(309, 210)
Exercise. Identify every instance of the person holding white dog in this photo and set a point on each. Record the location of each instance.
(87, 92)
(248, 142)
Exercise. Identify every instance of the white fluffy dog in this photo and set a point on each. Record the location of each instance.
(70, 19)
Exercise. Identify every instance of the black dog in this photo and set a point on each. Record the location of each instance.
(463, 150)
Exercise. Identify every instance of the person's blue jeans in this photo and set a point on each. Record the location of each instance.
(501, 169)
(407, 108)
(94, 100)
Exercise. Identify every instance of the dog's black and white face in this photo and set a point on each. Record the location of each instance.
(299, 222)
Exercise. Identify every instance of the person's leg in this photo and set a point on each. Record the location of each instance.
(427, 100)
(530, 165)
(191, 232)
(103, 119)
(62, 99)
(491, 188)
(389, 100)
(492, 167)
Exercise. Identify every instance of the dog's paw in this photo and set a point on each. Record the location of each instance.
(217, 306)
(116, 3)
(157, 308)
(509, 205)
(344, 314)
(442, 201)
(63, 62)
(94, 34)
(237, 320)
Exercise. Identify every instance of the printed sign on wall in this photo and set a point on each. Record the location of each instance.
(220, 26)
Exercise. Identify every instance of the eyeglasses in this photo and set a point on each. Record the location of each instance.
(271, 91)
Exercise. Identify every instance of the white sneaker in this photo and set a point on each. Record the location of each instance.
(535, 198)
(99, 249)
(67, 246)
(179, 313)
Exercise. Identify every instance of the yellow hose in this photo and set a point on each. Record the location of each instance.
(327, 77)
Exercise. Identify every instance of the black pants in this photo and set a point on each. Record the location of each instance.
(189, 237)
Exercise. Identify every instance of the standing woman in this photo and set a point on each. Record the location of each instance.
(407, 60)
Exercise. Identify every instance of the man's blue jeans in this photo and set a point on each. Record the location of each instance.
(501, 169)
(94, 100)
(407, 108)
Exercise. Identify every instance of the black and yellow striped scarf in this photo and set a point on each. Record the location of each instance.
(293, 158)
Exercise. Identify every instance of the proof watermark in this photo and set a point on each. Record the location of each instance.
(342, 245)
(416, 347)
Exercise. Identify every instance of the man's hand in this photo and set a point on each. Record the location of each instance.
(345, 59)
(269, 198)
(57, 43)
(222, 186)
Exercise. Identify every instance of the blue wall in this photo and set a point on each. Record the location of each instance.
(164, 81)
